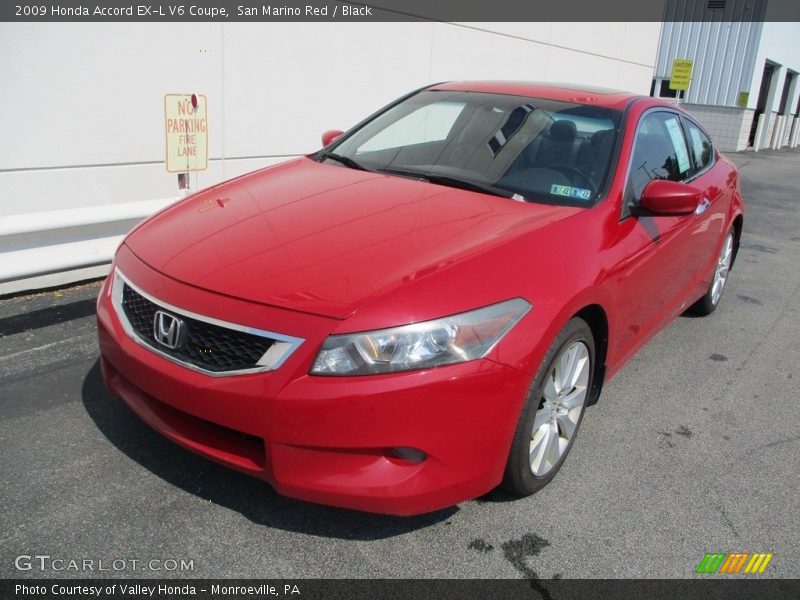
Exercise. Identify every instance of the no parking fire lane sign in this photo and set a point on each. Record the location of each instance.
(186, 127)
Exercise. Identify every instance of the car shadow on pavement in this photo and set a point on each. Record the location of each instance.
(252, 498)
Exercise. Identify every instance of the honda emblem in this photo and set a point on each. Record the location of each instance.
(167, 329)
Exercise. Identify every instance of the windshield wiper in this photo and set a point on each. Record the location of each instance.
(455, 182)
(465, 184)
(345, 160)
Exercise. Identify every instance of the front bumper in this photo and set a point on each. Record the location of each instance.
(321, 439)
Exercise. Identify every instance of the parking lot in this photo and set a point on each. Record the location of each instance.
(693, 448)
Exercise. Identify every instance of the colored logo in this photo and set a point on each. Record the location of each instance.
(734, 562)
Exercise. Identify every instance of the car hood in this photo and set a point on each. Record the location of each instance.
(325, 239)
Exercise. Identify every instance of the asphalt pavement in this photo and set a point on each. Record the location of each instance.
(692, 448)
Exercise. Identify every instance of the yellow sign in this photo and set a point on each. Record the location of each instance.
(743, 99)
(186, 127)
(681, 74)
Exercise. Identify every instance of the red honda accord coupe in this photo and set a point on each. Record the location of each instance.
(423, 309)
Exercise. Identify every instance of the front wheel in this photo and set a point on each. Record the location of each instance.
(709, 302)
(553, 410)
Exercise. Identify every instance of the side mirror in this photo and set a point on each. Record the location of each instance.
(330, 136)
(664, 197)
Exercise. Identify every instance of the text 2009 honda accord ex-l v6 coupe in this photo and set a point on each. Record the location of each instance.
(423, 309)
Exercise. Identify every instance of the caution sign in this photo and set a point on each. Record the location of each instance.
(186, 126)
(681, 74)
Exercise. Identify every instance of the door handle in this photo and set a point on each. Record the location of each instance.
(702, 207)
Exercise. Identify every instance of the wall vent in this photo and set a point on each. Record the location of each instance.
(716, 4)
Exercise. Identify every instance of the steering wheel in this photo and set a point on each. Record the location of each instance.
(568, 171)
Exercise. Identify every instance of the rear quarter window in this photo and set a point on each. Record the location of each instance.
(702, 148)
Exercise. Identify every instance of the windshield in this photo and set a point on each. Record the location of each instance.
(524, 148)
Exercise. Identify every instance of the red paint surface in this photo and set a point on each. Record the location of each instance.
(310, 249)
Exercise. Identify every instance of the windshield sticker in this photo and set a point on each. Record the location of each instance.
(678, 143)
(572, 192)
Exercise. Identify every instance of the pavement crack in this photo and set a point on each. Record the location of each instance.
(727, 520)
(780, 442)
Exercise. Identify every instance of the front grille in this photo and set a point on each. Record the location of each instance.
(204, 345)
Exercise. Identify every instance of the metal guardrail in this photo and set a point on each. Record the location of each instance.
(44, 243)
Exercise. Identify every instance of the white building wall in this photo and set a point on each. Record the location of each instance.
(780, 44)
(81, 105)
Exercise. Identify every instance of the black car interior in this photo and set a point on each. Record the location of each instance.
(547, 152)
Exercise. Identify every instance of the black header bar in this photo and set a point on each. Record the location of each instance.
(399, 10)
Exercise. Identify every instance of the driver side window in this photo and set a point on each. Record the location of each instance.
(659, 152)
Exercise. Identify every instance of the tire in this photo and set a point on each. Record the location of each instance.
(709, 302)
(551, 409)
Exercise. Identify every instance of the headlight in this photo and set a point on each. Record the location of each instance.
(453, 339)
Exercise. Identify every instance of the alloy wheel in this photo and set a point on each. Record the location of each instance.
(564, 395)
(721, 272)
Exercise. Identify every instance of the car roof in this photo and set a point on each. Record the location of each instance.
(565, 92)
